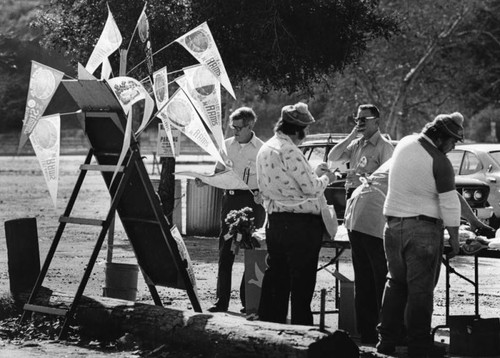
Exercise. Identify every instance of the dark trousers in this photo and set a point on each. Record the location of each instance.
(226, 256)
(370, 271)
(293, 245)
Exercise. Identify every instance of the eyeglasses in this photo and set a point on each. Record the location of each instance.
(363, 119)
(237, 128)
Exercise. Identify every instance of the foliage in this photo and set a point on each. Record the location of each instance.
(241, 227)
(281, 44)
(485, 125)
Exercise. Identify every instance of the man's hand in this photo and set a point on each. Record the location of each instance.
(199, 183)
(321, 169)
(454, 243)
(331, 177)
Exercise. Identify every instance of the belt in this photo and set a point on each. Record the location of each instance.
(418, 218)
(240, 192)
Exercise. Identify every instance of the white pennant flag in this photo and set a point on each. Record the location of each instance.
(106, 69)
(45, 140)
(160, 87)
(43, 84)
(129, 91)
(200, 43)
(109, 42)
(183, 116)
(203, 89)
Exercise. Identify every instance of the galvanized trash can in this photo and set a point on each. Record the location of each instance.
(203, 205)
(121, 281)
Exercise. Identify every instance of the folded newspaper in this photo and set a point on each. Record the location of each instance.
(226, 179)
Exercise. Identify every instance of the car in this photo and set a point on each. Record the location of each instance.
(480, 161)
(317, 146)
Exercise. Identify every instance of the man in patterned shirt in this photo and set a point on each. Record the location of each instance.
(293, 196)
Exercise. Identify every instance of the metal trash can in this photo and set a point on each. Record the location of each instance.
(121, 281)
(203, 205)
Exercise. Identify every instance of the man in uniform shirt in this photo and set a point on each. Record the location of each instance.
(242, 151)
(364, 154)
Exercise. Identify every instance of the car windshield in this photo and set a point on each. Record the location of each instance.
(496, 156)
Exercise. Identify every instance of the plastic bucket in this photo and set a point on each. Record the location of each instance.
(121, 281)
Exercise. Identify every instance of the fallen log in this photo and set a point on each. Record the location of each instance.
(219, 334)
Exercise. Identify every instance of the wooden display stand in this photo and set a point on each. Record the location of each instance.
(132, 193)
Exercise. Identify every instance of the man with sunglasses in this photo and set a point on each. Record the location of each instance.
(366, 153)
(242, 151)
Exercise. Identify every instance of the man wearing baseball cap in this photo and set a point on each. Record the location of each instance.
(364, 154)
(421, 201)
(293, 195)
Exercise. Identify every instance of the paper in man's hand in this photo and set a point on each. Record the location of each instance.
(226, 179)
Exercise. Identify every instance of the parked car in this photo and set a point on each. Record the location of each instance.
(317, 146)
(480, 161)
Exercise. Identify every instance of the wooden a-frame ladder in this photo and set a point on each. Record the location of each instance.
(126, 170)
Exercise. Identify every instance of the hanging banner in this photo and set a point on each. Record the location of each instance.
(129, 91)
(203, 90)
(163, 144)
(144, 35)
(183, 116)
(45, 140)
(200, 43)
(109, 41)
(106, 70)
(43, 84)
(160, 86)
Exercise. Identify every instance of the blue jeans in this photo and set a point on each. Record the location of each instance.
(293, 244)
(370, 271)
(414, 250)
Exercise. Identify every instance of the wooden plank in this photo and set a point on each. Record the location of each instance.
(139, 220)
(46, 310)
(81, 221)
(101, 168)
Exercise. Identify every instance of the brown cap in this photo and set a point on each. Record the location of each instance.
(297, 114)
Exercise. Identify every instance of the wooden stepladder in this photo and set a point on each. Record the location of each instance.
(158, 253)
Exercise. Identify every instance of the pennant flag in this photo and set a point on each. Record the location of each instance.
(43, 84)
(144, 35)
(183, 116)
(160, 87)
(200, 43)
(83, 74)
(129, 91)
(109, 42)
(203, 90)
(45, 140)
(106, 70)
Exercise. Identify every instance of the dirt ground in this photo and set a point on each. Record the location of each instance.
(23, 194)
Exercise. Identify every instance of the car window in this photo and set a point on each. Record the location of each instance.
(496, 156)
(455, 158)
(315, 155)
(470, 164)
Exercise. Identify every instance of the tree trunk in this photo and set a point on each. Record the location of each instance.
(166, 188)
(219, 334)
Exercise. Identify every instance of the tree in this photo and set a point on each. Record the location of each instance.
(281, 44)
